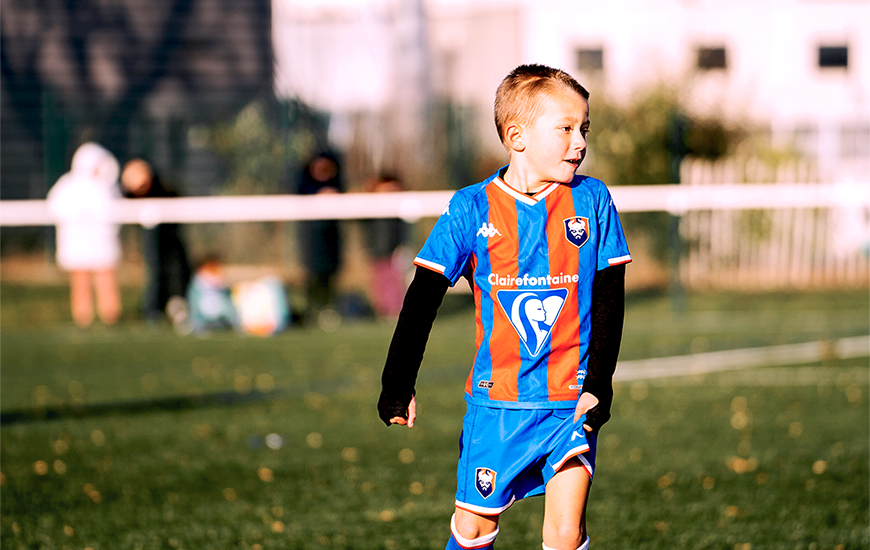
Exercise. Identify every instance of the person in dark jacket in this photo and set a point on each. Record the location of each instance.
(166, 261)
(320, 240)
(385, 238)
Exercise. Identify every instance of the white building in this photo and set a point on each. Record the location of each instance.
(799, 69)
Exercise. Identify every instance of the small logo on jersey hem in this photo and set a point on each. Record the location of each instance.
(484, 481)
(577, 230)
(486, 384)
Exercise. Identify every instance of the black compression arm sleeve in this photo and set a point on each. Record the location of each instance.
(421, 304)
(608, 314)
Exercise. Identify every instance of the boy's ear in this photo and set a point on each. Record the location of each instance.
(514, 137)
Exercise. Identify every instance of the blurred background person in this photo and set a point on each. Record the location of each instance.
(320, 240)
(209, 298)
(384, 238)
(88, 244)
(166, 261)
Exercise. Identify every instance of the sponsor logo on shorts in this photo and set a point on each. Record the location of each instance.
(484, 481)
(577, 230)
(486, 384)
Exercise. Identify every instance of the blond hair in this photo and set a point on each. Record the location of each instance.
(518, 98)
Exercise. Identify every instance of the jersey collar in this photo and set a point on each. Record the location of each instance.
(522, 197)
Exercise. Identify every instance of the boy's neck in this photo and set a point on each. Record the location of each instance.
(521, 182)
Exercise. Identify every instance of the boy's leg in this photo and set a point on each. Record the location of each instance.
(565, 507)
(472, 531)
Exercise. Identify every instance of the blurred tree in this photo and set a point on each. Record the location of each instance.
(253, 152)
(263, 147)
(634, 144)
(108, 64)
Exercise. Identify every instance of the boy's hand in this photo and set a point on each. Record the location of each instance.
(586, 403)
(397, 411)
(412, 415)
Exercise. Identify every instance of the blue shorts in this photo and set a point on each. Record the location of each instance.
(509, 454)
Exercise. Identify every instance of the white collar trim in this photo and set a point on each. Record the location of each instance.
(522, 197)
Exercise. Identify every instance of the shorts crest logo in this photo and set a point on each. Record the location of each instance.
(484, 480)
(577, 230)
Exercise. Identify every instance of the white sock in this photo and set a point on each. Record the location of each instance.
(584, 546)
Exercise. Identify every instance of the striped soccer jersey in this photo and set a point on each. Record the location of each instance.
(531, 262)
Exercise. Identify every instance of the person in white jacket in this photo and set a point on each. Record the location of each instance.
(88, 242)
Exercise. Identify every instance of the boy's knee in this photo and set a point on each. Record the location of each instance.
(469, 527)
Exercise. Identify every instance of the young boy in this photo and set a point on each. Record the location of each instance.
(544, 253)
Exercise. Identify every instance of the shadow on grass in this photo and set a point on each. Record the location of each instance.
(216, 399)
(163, 404)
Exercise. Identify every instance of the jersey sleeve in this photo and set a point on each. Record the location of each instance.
(447, 249)
(612, 248)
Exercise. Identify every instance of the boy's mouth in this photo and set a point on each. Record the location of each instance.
(575, 162)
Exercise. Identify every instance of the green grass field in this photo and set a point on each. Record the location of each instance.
(136, 438)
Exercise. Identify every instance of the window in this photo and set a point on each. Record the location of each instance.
(711, 58)
(590, 59)
(833, 57)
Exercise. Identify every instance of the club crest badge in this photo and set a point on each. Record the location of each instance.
(533, 314)
(577, 230)
(484, 480)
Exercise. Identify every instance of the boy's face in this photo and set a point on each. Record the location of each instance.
(555, 142)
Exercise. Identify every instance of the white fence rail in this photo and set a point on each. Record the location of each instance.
(412, 206)
(733, 236)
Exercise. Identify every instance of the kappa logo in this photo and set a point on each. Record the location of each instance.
(484, 481)
(446, 210)
(488, 230)
(577, 230)
(533, 314)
